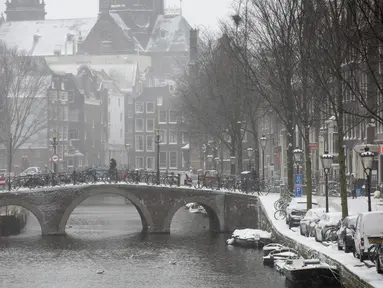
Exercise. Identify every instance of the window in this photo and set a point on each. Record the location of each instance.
(149, 125)
(52, 95)
(184, 137)
(73, 133)
(53, 85)
(139, 107)
(149, 107)
(120, 116)
(150, 163)
(70, 97)
(140, 162)
(139, 142)
(130, 99)
(163, 137)
(130, 112)
(172, 116)
(162, 116)
(173, 136)
(139, 125)
(163, 160)
(335, 143)
(160, 100)
(150, 143)
(63, 96)
(119, 102)
(74, 115)
(173, 159)
(62, 86)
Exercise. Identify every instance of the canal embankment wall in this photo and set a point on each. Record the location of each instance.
(347, 277)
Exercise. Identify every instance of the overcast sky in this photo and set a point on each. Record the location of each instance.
(197, 12)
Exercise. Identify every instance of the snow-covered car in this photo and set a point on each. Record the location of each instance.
(346, 233)
(297, 210)
(311, 215)
(368, 225)
(328, 220)
(30, 171)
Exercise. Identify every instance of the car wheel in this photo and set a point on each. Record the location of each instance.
(377, 265)
(340, 247)
(290, 225)
(300, 230)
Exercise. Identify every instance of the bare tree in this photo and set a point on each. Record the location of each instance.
(23, 86)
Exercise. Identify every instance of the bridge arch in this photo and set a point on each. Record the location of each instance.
(215, 217)
(86, 192)
(26, 205)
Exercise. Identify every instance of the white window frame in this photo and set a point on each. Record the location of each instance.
(62, 85)
(147, 165)
(147, 129)
(147, 110)
(143, 125)
(135, 107)
(166, 160)
(53, 86)
(159, 118)
(176, 136)
(143, 161)
(160, 100)
(147, 141)
(165, 132)
(136, 141)
(170, 122)
(183, 137)
(170, 162)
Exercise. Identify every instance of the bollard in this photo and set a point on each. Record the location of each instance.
(178, 179)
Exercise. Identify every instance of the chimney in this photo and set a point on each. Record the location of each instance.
(193, 45)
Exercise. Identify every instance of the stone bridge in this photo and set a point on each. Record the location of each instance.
(156, 205)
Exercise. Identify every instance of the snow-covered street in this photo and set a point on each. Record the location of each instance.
(355, 206)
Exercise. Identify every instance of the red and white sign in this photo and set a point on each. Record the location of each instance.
(381, 149)
(55, 158)
(2, 182)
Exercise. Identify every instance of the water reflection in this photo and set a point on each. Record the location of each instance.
(107, 239)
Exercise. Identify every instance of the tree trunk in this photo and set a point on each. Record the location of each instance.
(308, 167)
(290, 160)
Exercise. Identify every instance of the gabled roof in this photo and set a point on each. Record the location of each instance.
(124, 75)
(43, 37)
(170, 34)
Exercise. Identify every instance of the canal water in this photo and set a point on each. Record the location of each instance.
(104, 248)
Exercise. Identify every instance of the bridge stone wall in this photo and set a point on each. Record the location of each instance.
(156, 205)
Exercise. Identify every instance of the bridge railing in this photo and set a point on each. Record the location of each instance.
(92, 176)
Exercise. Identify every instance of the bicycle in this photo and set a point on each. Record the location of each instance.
(280, 214)
(171, 179)
(111, 176)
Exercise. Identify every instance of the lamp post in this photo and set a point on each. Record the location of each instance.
(158, 142)
(367, 161)
(263, 141)
(250, 154)
(297, 157)
(326, 163)
(9, 161)
(232, 162)
(127, 147)
(204, 158)
(54, 137)
(209, 159)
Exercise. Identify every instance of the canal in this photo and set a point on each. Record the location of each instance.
(104, 248)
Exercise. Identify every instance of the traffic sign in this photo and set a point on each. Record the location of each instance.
(298, 191)
(298, 179)
(55, 158)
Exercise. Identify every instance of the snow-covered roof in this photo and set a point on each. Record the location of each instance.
(123, 74)
(170, 34)
(43, 37)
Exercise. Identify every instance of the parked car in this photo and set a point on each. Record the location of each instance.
(330, 219)
(30, 171)
(379, 259)
(311, 215)
(297, 210)
(346, 233)
(368, 224)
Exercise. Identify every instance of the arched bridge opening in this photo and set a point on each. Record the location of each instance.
(105, 211)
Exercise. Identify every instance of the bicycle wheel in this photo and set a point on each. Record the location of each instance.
(266, 189)
(276, 203)
(280, 214)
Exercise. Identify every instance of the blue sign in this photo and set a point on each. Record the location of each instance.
(298, 191)
(298, 179)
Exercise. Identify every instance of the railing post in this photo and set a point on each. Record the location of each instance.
(178, 179)
(219, 182)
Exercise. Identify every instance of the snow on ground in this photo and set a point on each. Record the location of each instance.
(355, 205)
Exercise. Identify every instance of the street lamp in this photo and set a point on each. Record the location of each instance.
(127, 147)
(250, 154)
(297, 157)
(263, 141)
(158, 142)
(367, 161)
(232, 161)
(326, 163)
(54, 137)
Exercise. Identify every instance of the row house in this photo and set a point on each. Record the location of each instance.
(155, 112)
(76, 114)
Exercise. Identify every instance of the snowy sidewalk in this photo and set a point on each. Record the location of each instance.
(355, 206)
